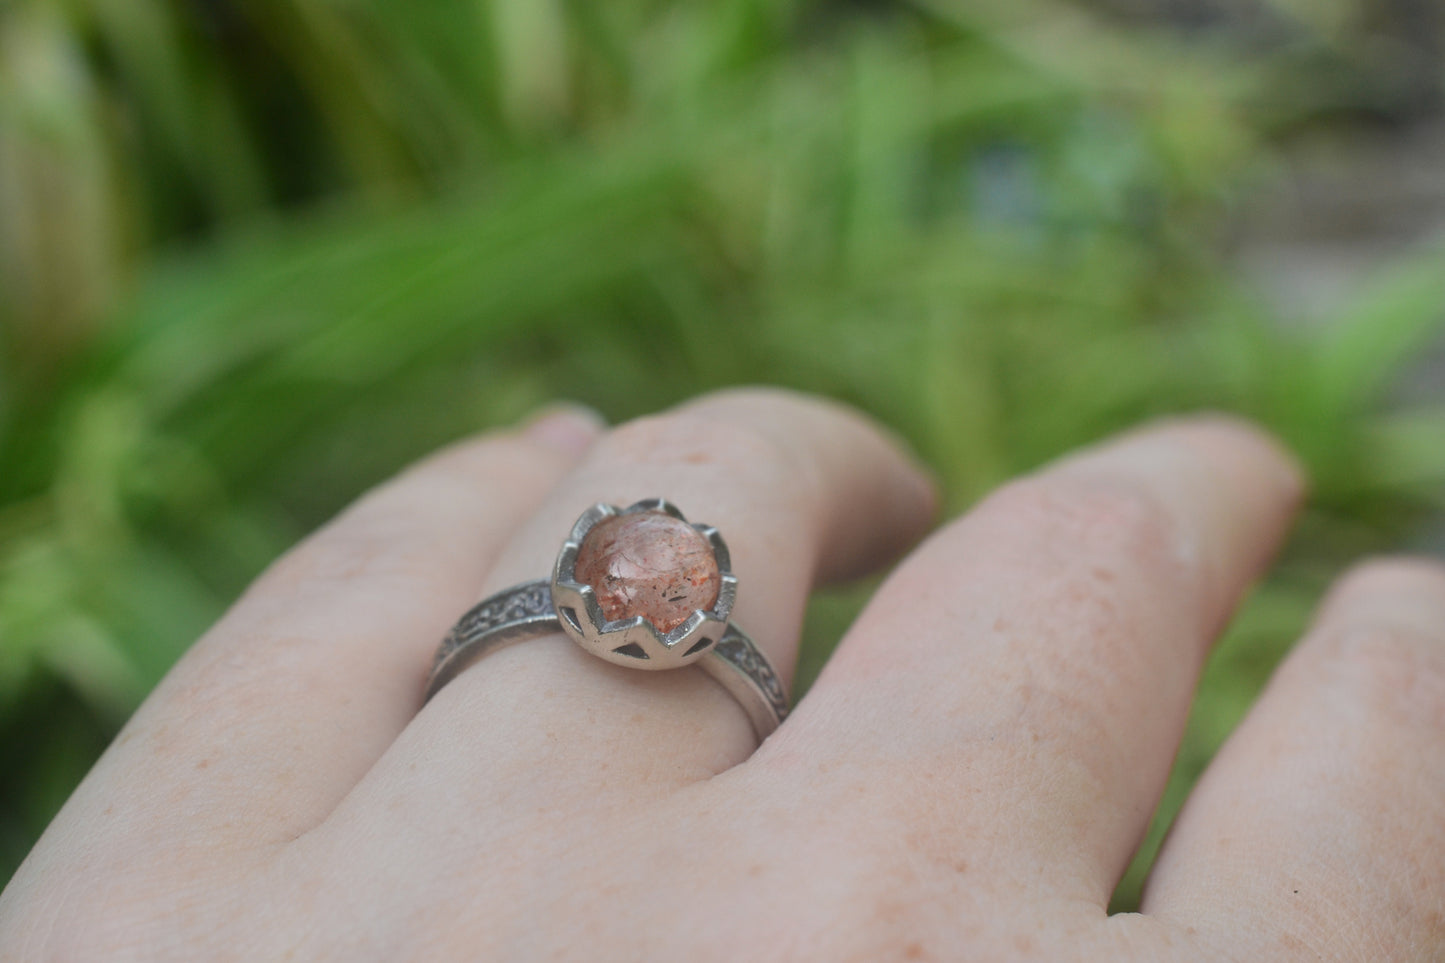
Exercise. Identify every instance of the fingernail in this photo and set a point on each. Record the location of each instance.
(567, 426)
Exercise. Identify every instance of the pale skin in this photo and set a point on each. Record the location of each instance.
(967, 779)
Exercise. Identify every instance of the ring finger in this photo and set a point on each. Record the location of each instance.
(800, 489)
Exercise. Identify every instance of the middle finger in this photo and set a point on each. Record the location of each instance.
(1022, 681)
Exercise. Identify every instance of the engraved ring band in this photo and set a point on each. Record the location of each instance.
(640, 587)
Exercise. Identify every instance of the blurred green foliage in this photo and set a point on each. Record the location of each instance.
(255, 257)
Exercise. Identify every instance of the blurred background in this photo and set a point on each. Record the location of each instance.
(256, 256)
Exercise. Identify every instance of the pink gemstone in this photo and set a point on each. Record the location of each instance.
(648, 564)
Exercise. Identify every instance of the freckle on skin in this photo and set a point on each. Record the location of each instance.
(203, 763)
(1025, 943)
(913, 951)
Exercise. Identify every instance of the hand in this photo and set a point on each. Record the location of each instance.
(966, 780)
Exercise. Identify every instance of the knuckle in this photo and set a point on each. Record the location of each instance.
(1382, 640)
(1395, 576)
(768, 398)
(495, 461)
(1397, 669)
(688, 440)
(1117, 526)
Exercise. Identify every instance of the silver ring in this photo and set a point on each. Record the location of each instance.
(647, 590)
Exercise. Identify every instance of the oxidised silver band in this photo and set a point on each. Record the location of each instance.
(526, 612)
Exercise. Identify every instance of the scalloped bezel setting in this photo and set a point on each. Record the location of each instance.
(636, 642)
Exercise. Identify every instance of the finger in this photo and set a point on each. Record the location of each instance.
(1021, 682)
(280, 708)
(1318, 833)
(798, 487)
